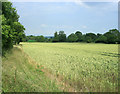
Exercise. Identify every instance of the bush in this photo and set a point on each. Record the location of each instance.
(31, 40)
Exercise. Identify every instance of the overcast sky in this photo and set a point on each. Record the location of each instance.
(44, 18)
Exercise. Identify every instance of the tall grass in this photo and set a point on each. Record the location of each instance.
(20, 74)
(86, 67)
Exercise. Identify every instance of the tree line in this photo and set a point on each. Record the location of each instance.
(12, 29)
(110, 37)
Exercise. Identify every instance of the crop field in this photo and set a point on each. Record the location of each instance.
(86, 67)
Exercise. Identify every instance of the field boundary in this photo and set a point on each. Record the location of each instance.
(58, 79)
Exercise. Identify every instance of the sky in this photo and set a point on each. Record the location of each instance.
(45, 18)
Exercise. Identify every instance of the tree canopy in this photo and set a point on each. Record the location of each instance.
(79, 36)
(72, 38)
(12, 29)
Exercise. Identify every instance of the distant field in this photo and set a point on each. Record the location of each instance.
(86, 67)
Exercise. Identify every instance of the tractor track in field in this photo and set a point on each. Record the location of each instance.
(64, 85)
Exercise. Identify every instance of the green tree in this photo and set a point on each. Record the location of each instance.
(12, 30)
(40, 38)
(98, 35)
(7, 37)
(112, 36)
(72, 38)
(79, 36)
(9, 12)
(50, 39)
(101, 39)
(62, 36)
(116, 33)
(18, 30)
(24, 38)
(56, 37)
(90, 37)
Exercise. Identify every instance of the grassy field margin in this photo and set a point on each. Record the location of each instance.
(21, 74)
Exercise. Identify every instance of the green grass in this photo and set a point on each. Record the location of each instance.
(20, 74)
(86, 67)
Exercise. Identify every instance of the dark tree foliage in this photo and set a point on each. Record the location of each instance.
(112, 36)
(101, 39)
(12, 30)
(72, 38)
(79, 36)
(56, 37)
(98, 35)
(90, 37)
(9, 12)
(62, 36)
(32, 38)
(40, 38)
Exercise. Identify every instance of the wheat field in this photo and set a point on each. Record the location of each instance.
(87, 67)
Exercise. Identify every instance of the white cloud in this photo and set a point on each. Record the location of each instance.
(81, 3)
(43, 25)
(84, 26)
(62, 26)
(108, 5)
